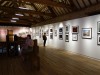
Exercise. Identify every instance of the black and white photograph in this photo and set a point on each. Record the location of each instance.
(60, 37)
(47, 32)
(67, 29)
(60, 30)
(51, 30)
(66, 37)
(98, 39)
(51, 35)
(55, 32)
(98, 27)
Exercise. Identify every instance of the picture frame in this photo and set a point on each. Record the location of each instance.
(60, 36)
(75, 29)
(47, 32)
(87, 33)
(55, 32)
(98, 27)
(61, 30)
(74, 37)
(51, 35)
(51, 30)
(66, 37)
(98, 39)
(66, 29)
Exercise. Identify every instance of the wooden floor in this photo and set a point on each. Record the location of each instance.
(53, 62)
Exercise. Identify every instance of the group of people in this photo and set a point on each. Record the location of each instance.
(29, 43)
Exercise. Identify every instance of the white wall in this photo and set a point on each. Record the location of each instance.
(86, 47)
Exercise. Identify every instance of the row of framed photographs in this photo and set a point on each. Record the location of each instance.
(74, 37)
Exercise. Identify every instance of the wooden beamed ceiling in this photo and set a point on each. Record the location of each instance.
(39, 11)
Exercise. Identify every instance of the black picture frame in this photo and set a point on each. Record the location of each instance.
(98, 39)
(60, 36)
(61, 30)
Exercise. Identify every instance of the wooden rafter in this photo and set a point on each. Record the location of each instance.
(78, 3)
(25, 11)
(8, 21)
(51, 10)
(48, 3)
(97, 1)
(42, 19)
(73, 7)
(84, 3)
(90, 2)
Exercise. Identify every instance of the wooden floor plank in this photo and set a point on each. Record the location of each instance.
(53, 62)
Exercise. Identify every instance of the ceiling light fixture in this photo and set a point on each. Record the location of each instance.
(15, 18)
(13, 21)
(24, 8)
(19, 14)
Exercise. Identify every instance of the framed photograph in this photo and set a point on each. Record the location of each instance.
(86, 33)
(75, 29)
(60, 30)
(98, 27)
(60, 36)
(74, 37)
(51, 30)
(67, 29)
(66, 37)
(55, 32)
(51, 35)
(47, 32)
(98, 39)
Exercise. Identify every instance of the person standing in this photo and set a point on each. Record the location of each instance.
(44, 38)
(27, 47)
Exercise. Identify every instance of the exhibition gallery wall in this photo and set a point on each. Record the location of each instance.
(20, 31)
(81, 36)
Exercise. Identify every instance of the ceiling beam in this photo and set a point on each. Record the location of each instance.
(48, 3)
(74, 15)
(8, 23)
(21, 17)
(24, 11)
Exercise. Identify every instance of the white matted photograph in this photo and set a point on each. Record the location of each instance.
(67, 29)
(60, 36)
(66, 37)
(47, 32)
(51, 35)
(74, 37)
(86, 33)
(55, 32)
(98, 27)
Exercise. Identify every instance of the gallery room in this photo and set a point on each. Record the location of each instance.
(72, 37)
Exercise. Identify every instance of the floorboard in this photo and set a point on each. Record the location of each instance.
(52, 62)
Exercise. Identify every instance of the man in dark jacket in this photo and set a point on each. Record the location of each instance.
(44, 38)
